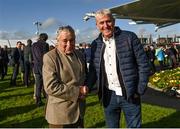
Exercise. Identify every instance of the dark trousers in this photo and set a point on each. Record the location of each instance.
(1, 69)
(132, 112)
(5, 68)
(153, 68)
(161, 65)
(39, 87)
(15, 74)
(27, 73)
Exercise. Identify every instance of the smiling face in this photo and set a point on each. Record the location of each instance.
(18, 44)
(66, 41)
(105, 23)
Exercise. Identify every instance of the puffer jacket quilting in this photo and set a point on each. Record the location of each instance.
(132, 61)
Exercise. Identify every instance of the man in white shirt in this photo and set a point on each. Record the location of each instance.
(119, 67)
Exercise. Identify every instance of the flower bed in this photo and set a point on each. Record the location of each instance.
(166, 79)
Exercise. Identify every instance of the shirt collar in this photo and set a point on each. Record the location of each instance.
(110, 39)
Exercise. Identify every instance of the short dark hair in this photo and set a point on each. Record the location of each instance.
(29, 41)
(43, 36)
(18, 42)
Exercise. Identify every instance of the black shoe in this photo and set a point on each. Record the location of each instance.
(12, 84)
(2, 78)
(39, 104)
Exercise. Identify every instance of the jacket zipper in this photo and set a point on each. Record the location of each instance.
(121, 72)
(101, 56)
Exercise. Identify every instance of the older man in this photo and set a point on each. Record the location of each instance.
(64, 77)
(120, 67)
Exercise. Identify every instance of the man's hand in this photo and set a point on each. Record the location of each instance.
(83, 91)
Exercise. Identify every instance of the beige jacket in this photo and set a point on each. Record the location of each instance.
(62, 87)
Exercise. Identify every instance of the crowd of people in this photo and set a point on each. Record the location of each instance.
(115, 62)
(167, 56)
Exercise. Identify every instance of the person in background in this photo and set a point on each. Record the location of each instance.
(171, 52)
(151, 57)
(82, 47)
(15, 60)
(87, 52)
(28, 62)
(39, 48)
(22, 63)
(51, 47)
(6, 60)
(1, 63)
(160, 55)
(119, 67)
(64, 75)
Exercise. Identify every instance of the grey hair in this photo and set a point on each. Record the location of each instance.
(65, 28)
(103, 12)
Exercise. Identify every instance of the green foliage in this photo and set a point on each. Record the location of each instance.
(166, 79)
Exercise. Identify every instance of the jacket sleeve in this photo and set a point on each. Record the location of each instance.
(13, 54)
(91, 78)
(53, 85)
(142, 64)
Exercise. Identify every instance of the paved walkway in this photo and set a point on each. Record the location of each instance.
(156, 97)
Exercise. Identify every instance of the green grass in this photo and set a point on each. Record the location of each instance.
(18, 109)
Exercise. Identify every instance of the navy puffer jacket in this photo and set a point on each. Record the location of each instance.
(132, 63)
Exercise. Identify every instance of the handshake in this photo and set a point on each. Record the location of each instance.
(83, 91)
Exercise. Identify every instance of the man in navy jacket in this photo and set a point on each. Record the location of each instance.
(119, 67)
(39, 48)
